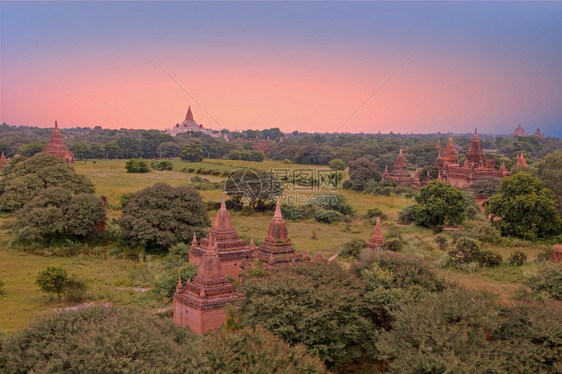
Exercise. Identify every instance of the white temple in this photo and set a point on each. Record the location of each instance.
(189, 124)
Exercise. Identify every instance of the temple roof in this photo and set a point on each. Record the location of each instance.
(450, 155)
(521, 162)
(376, 239)
(189, 115)
(277, 246)
(400, 166)
(475, 152)
(56, 146)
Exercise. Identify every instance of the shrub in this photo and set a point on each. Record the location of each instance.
(327, 216)
(2, 289)
(75, 289)
(362, 170)
(52, 280)
(548, 281)
(165, 283)
(487, 234)
(352, 248)
(465, 250)
(374, 213)
(437, 204)
(406, 216)
(441, 241)
(192, 152)
(124, 199)
(334, 202)
(137, 165)
(180, 250)
(471, 212)
(394, 245)
(517, 258)
(292, 212)
(161, 165)
(25, 179)
(158, 217)
(490, 258)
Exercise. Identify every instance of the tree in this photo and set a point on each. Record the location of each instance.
(485, 186)
(525, 206)
(337, 164)
(129, 147)
(437, 204)
(112, 151)
(158, 217)
(549, 170)
(361, 171)
(31, 149)
(56, 213)
(168, 150)
(192, 152)
(316, 304)
(255, 188)
(137, 165)
(26, 179)
(52, 280)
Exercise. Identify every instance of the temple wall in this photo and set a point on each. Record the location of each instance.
(195, 260)
(231, 268)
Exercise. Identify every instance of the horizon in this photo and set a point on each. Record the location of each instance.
(407, 67)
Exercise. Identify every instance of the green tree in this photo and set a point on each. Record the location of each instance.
(192, 152)
(361, 171)
(549, 170)
(337, 164)
(52, 280)
(160, 216)
(168, 150)
(130, 147)
(112, 150)
(485, 186)
(437, 204)
(525, 206)
(31, 149)
(137, 165)
(26, 179)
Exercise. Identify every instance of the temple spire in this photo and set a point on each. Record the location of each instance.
(189, 115)
(376, 239)
(223, 203)
(278, 210)
(56, 125)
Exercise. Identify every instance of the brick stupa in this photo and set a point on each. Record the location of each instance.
(231, 249)
(400, 173)
(521, 162)
(376, 239)
(200, 303)
(57, 148)
(276, 248)
(3, 162)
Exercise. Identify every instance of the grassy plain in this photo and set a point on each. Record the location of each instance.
(117, 278)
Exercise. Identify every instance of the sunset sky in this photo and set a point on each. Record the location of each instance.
(307, 66)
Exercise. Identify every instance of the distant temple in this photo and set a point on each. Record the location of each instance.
(400, 173)
(376, 240)
(475, 165)
(538, 133)
(3, 162)
(231, 249)
(276, 248)
(521, 162)
(200, 303)
(263, 146)
(189, 124)
(520, 131)
(56, 147)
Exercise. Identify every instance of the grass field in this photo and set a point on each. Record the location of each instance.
(112, 279)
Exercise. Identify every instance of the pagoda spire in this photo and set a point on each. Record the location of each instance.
(189, 115)
(376, 239)
(278, 210)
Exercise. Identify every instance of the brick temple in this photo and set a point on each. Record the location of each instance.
(57, 148)
(401, 175)
(376, 240)
(200, 303)
(3, 161)
(231, 249)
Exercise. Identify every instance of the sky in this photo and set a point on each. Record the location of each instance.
(352, 67)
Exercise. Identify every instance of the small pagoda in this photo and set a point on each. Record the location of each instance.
(3, 162)
(276, 248)
(521, 162)
(400, 173)
(231, 249)
(200, 303)
(57, 148)
(376, 240)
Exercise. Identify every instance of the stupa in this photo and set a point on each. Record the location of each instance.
(3, 162)
(56, 147)
(376, 239)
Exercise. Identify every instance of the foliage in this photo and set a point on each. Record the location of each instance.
(393, 244)
(246, 155)
(27, 178)
(526, 207)
(437, 204)
(55, 213)
(485, 186)
(202, 184)
(165, 283)
(548, 280)
(441, 241)
(75, 289)
(373, 213)
(255, 188)
(327, 216)
(335, 202)
(168, 150)
(406, 215)
(52, 280)
(352, 248)
(2, 289)
(517, 258)
(465, 250)
(489, 258)
(486, 233)
(317, 304)
(192, 152)
(293, 212)
(362, 170)
(137, 165)
(337, 164)
(160, 216)
(161, 165)
(549, 170)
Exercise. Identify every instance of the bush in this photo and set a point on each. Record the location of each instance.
(25, 179)
(362, 170)
(334, 202)
(487, 234)
(52, 280)
(2, 289)
(517, 258)
(441, 241)
(490, 258)
(472, 212)
(327, 216)
(180, 250)
(161, 165)
(406, 216)
(465, 250)
(394, 245)
(165, 283)
(352, 248)
(337, 164)
(137, 165)
(192, 152)
(158, 217)
(292, 212)
(374, 213)
(438, 204)
(548, 281)
(75, 289)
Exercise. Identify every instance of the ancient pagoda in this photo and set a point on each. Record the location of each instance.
(199, 303)
(57, 148)
(519, 131)
(231, 249)
(538, 133)
(400, 173)
(521, 162)
(3, 162)
(376, 240)
(276, 248)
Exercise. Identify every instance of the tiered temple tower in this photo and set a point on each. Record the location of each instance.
(521, 162)
(400, 173)
(231, 249)
(276, 248)
(56, 147)
(376, 239)
(3, 162)
(200, 303)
